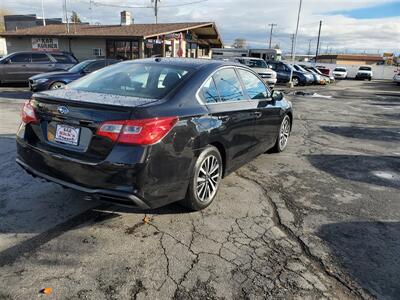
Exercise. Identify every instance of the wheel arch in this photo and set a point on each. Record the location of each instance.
(222, 151)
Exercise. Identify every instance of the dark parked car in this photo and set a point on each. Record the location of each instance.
(56, 80)
(19, 66)
(154, 131)
(282, 70)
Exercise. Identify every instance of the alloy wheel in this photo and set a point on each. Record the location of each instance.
(284, 132)
(295, 81)
(208, 178)
(57, 85)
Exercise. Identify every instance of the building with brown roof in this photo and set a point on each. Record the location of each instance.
(125, 41)
(350, 59)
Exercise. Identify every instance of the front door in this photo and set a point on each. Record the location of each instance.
(16, 68)
(266, 111)
(233, 112)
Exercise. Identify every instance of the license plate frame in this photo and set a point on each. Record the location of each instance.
(67, 135)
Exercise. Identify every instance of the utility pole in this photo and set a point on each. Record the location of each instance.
(66, 14)
(156, 9)
(44, 20)
(270, 35)
(291, 48)
(294, 45)
(319, 35)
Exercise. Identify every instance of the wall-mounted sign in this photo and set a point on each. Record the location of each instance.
(45, 44)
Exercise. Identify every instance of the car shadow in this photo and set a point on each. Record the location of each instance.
(395, 116)
(368, 252)
(368, 133)
(377, 170)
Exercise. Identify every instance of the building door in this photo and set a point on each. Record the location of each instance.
(122, 49)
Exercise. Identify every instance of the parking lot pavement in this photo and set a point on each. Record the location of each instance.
(320, 220)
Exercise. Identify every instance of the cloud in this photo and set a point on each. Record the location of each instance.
(249, 19)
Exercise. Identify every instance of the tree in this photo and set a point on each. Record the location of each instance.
(75, 18)
(3, 12)
(277, 46)
(239, 43)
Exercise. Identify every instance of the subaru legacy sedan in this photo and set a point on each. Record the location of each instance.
(154, 131)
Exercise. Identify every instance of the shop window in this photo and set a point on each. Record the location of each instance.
(97, 52)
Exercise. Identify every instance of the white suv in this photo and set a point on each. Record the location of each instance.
(364, 72)
(340, 73)
(396, 78)
(259, 66)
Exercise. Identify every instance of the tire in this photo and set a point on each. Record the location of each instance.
(283, 135)
(57, 85)
(295, 81)
(205, 179)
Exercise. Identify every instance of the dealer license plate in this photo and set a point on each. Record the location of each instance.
(67, 134)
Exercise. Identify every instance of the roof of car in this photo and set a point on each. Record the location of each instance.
(188, 62)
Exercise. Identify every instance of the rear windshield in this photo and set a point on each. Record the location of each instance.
(64, 58)
(253, 63)
(340, 69)
(365, 68)
(141, 80)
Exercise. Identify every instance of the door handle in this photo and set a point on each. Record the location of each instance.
(258, 114)
(224, 118)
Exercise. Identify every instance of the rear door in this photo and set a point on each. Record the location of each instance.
(227, 103)
(267, 112)
(40, 63)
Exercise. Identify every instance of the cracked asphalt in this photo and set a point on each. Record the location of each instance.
(318, 221)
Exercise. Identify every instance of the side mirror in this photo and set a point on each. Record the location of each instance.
(276, 95)
(86, 71)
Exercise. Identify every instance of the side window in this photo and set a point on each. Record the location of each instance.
(208, 92)
(63, 58)
(40, 57)
(280, 67)
(21, 58)
(254, 87)
(228, 85)
(95, 66)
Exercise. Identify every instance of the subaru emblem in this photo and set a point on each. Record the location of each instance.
(63, 110)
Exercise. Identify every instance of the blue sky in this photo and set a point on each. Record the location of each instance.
(385, 10)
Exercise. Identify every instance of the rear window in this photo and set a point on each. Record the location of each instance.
(141, 80)
(365, 68)
(64, 58)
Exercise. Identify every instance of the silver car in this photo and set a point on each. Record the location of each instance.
(19, 66)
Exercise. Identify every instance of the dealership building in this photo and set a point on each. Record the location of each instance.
(124, 41)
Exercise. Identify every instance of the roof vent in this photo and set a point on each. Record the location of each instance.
(126, 18)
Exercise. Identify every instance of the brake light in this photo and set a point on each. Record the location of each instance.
(139, 132)
(28, 113)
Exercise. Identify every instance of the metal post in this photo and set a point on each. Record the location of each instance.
(319, 35)
(294, 45)
(44, 20)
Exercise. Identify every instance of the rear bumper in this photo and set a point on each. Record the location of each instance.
(113, 196)
(125, 176)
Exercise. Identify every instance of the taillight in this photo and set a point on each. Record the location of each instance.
(28, 113)
(139, 132)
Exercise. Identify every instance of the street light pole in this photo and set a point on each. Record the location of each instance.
(44, 20)
(294, 45)
(270, 35)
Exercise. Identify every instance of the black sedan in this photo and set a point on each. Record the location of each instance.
(154, 131)
(57, 80)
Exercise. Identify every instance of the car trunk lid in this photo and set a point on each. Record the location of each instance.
(68, 121)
